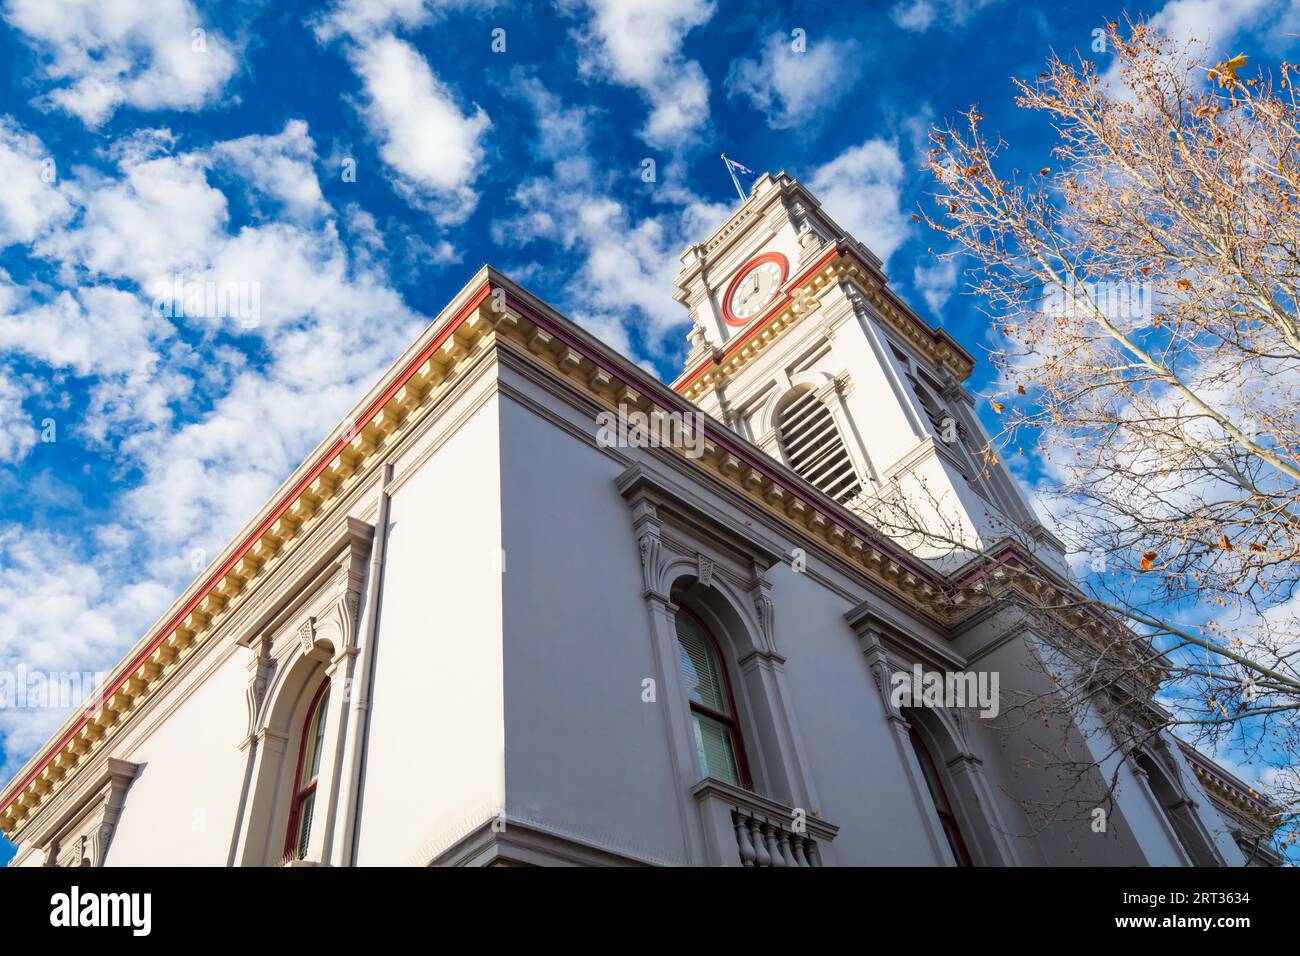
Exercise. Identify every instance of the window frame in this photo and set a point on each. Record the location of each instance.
(1159, 781)
(732, 721)
(948, 812)
(300, 792)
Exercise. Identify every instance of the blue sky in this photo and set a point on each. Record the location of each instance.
(134, 149)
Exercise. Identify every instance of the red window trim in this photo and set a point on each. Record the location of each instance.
(295, 808)
(733, 721)
(948, 814)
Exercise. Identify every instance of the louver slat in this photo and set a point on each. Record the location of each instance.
(814, 449)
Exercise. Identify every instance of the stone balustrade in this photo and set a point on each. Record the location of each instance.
(746, 829)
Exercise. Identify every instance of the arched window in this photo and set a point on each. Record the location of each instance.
(814, 448)
(930, 405)
(1178, 812)
(952, 433)
(718, 742)
(304, 781)
(947, 817)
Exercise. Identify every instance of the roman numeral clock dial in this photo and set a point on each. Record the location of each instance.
(754, 288)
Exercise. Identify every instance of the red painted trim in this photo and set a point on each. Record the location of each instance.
(732, 720)
(923, 752)
(403, 377)
(295, 809)
(727, 315)
(772, 310)
(776, 307)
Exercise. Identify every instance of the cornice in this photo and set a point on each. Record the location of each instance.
(840, 263)
(637, 484)
(869, 624)
(1245, 801)
(114, 775)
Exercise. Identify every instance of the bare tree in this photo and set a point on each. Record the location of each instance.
(1144, 282)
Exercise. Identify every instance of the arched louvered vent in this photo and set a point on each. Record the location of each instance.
(932, 411)
(814, 448)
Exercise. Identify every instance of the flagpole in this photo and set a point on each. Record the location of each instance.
(734, 181)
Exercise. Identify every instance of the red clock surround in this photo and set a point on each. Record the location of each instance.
(745, 270)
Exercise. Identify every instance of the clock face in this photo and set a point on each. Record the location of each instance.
(754, 288)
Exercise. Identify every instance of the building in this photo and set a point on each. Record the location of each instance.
(484, 623)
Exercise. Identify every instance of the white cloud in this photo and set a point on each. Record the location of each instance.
(74, 329)
(278, 167)
(679, 107)
(59, 590)
(936, 280)
(248, 414)
(362, 18)
(61, 613)
(140, 53)
(563, 136)
(62, 610)
(860, 189)
(433, 146)
(638, 43)
(628, 277)
(615, 283)
(791, 86)
(920, 15)
(107, 334)
(30, 199)
(201, 482)
(162, 217)
(17, 431)
(1213, 22)
(359, 18)
(917, 15)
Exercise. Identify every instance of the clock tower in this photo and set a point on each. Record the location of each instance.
(800, 345)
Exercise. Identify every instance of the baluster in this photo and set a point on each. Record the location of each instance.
(786, 855)
(769, 833)
(814, 855)
(747, 854)
(798, 844)
(760, 846)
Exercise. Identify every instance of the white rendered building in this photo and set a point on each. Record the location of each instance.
(472, 629)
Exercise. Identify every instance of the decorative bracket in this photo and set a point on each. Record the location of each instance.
(89, 823)
(704, 569)
(260, 669)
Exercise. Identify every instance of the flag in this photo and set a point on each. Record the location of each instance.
(743, 170)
